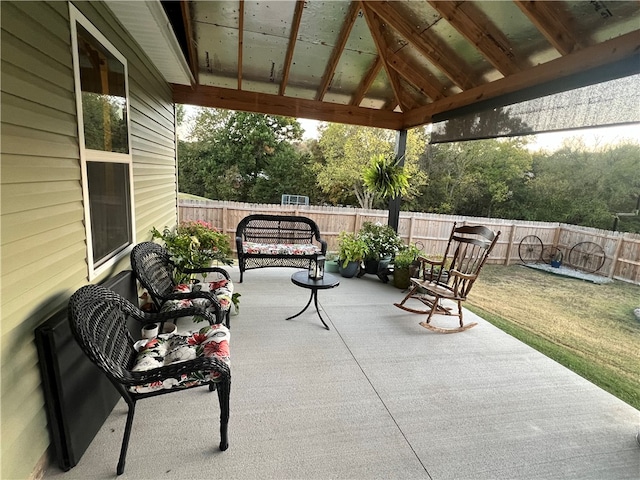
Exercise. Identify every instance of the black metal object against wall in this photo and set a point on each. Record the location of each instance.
(78, 397)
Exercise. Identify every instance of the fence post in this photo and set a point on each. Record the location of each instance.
(225, 221)
(512, 234)
(411, 223)
(614, 261)
(556, 236)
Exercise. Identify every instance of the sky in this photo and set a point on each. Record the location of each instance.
(592, 137)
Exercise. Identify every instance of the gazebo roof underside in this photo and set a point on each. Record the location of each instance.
(396, 64)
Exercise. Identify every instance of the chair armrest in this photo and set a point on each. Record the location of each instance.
(208, 270)
(463, 276)
(433, 270)
(431, 261)
(161, 317)
(323, 246)
(321, 241)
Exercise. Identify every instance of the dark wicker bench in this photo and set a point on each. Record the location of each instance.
(277, 241)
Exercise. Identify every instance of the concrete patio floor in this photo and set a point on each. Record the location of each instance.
(376, 397)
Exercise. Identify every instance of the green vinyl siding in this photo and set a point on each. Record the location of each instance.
(42, 235)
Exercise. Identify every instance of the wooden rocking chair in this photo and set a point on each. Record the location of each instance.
(451, 277)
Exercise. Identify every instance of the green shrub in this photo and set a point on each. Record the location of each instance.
(195, 244)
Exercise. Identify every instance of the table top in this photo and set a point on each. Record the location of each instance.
(301, 279)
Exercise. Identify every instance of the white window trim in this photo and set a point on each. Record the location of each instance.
(94, 155)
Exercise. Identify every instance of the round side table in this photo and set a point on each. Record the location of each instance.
(301, 279)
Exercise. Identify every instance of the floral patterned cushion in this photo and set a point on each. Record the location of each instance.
(210, 341)
(280, 248)
(223, 289)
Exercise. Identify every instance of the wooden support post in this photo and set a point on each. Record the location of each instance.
(394, 203)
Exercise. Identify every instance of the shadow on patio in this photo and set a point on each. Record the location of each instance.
(377, 396)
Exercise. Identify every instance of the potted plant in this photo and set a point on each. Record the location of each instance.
(382, 243)
(331, 262)
(195, 244)
(401, 264)
(351, 251)
(556, 258)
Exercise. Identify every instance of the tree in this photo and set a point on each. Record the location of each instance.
(582, 187)
(348, 151)
(474, 178)
(501, 168)
(243, 156)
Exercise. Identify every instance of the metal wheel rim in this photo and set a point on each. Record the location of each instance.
(549, 253)
(530, 249)
(587, 256)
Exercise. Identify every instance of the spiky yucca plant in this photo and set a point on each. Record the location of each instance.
(386, 177)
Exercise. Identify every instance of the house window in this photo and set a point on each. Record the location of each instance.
(104, 97)
(109, 206)
(105, 153)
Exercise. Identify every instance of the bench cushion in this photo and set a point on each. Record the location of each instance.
(209, 341)
(223, 289)
(280, 248)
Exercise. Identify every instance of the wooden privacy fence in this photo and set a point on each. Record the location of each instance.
(622, 250)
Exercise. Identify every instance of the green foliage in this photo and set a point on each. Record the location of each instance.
(404, 258)
(194, 245)
(386, 177)
(475, 178)
(500, 178)
(347, 152)
(257, 158)
(351, 248)
(381, 240)
(244, 157)
(104, 122)
(581, 187)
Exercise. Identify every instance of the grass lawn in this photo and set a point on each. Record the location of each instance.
(589, 328)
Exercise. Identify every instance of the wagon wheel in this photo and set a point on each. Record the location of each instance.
(587, 256)
(530, 249)
(550, 254)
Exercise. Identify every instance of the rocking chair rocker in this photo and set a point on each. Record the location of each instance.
(452, 277)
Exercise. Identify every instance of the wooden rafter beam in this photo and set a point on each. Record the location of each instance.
(240, 41)
(375, 27)
(366, 82)
(553, 23)
(430, 87)
(472, 24)
(191, 44)
(438, 53)
(295, 26)
(622, 48)
(232, 99)
(408, 102)
(350, 19)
